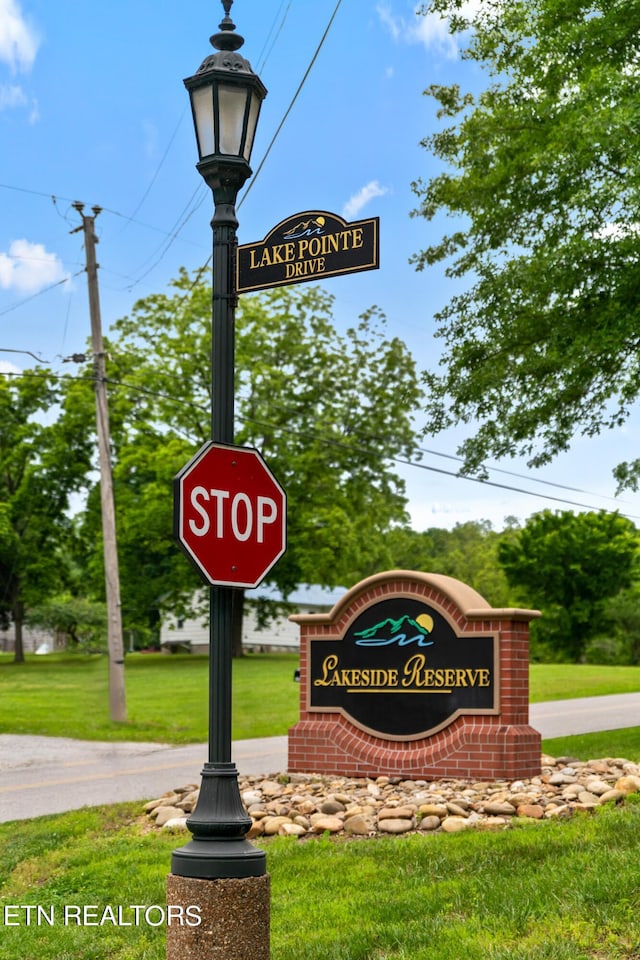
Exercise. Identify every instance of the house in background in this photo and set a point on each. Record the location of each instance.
(34, 640)
(278, 635)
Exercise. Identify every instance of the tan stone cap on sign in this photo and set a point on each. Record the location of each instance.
(470, 603)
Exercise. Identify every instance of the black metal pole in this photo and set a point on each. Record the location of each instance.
(224, 225)
(219, 823)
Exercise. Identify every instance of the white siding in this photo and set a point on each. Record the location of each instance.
(278, 634)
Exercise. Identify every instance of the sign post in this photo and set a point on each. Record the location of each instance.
(225, 98)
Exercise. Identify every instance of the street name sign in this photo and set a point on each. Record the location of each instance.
(230, 515)
(308, 246)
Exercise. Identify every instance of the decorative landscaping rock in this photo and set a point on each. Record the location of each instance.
(533, 811)
(324, 823)
(395, 825)
(359, 825)
(429, 823)
(308, 805)
(628, 785)
(455, 824)
(163, 815)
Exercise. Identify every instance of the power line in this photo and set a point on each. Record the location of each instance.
(512, 473)
(27, 353)
(158, 169)
(35, 193)
(164, 248)
(172, 235)
(293, 100)
(262, 63)
(52, 286)
(354, 448)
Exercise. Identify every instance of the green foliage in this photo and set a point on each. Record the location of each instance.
(44, 457)
(82, 622)
(541, 175)
(621, 642)
(568, 565)
(327, 410)
(468, 553)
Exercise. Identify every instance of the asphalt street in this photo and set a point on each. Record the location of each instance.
(41, 775)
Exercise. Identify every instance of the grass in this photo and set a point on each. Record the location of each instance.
(167, 697)
(565, 681)
(546, 891)
(588, 746)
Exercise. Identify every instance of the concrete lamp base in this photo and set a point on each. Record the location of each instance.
(234, 918)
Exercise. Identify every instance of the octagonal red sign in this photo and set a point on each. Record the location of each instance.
(230, 515)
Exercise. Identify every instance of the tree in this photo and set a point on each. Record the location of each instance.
(328, 411)
(542, 176)
(569, 565)
(468, 552)
(44, 457)
(621, 643)
(154, 575)
(82, 622)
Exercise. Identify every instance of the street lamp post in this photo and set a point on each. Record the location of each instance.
(226, 96)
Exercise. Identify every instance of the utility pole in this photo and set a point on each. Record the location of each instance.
(117, 696)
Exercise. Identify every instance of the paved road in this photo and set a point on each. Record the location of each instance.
(52, 774)
(41, 775)
(564, 718)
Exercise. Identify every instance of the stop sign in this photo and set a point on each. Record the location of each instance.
(230, 515)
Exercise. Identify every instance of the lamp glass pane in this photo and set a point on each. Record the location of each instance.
(254, 110)
(202, 102)
(231, 103)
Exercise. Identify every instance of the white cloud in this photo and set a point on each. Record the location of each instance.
(19, 41)
(34, 113)
(28, 267)
(431, 30)
(392, 24)
(617, 231)
(6, 367)
(11, 96)
(355, 204)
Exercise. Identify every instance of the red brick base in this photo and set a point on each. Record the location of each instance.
(501, 746)
(466, 749)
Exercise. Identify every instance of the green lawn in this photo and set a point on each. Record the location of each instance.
(564, 890)
(564, 681)
(167, 697)
(66, 694)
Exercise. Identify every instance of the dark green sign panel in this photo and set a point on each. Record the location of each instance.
(308, 246)
(402, 671)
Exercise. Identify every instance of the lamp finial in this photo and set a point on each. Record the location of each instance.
(226, 39)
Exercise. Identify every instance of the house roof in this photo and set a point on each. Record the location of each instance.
(306, 595)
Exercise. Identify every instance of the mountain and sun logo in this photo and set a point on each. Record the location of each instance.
(312, 227)
(402, 631)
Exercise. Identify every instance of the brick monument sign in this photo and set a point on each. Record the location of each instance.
(415, 675)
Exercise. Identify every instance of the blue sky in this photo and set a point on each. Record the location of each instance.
(93, 108)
